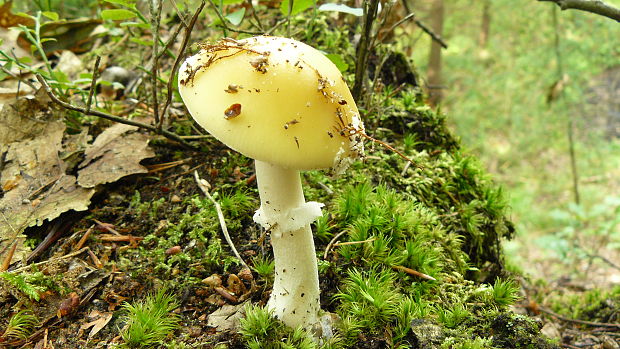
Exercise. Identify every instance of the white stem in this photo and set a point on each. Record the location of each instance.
(295, 295)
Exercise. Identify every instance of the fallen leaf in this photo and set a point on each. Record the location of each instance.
(227, 317)
(97, 325)
(32, 172)
(115, 153)
(8, 19)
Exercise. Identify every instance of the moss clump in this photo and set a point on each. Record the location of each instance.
(517, 331)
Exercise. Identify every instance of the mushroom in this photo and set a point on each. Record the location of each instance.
(286, 105)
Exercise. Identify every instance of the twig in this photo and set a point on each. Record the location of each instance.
(204, 186)
(384, 144)
(7, 259)
(413, 272)
(182, 17)
(347, 243)
(110, 117)
(593, 6)
(226, 27)
(581, 322)
(569, 124)
(180, 56)
(401, 21)
(8, 72)
(331, 243)
(432, 34)
(72, 254)
(155, 10)
(370, 13)
(93, 84)
(107, 227)
(84, 237)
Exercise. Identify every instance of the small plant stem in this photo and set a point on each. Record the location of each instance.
(155, 9)
(413, 272)
(204, 186)
(9, 256)
(288, 17)
(110, 117)
(347, 243)
(436, 37)
(363, 48)
(569, 124)
(93, 84)
(180, 56)
(332, 242)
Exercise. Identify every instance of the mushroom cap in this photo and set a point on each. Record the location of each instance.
(275, 100)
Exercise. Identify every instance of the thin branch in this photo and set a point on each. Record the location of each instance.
(371, 8)
(577, 321)
(401, 21)
(593, 6)
(155, 10)
(225, 26)
(93, 84)
(204, 186)
(16, 77)
(432, 34)
(180, 56)
(110, 117)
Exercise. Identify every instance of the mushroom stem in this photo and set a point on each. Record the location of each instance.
(295, 295)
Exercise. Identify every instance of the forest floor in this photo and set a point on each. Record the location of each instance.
(103, 220)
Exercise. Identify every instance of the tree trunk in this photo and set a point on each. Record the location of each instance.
(434, 64)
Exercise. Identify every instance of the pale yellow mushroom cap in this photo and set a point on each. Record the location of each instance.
(275, 100)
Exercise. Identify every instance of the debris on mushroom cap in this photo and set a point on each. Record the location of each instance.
(297, 109)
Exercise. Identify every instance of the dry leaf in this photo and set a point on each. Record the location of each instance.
(8, 19)
(97, 325)
(115, 153)
(32, 172)
(227, 317)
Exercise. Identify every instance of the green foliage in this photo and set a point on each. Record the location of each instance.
(262, 331)
(31, 284)
(453, 316)
(597, 304)
(21, 325)
(264, 267)
(505, 292)
(371, 297)
(150, 321)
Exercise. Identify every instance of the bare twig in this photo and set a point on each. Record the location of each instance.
(225, 26)
(363, 48)
(181, 55)
(9, 256)
(8, 72)
(107, 226)
(570, 130)
(82, 241)
(401, 21)
(155, 10)
(110, 117)
(430, 32)
(93, 84)
(577, 321)
(331, 243)
(204, 186)
(413, 272)
(181, 16)
(593, 6)
(347, 243)
(72, 254)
